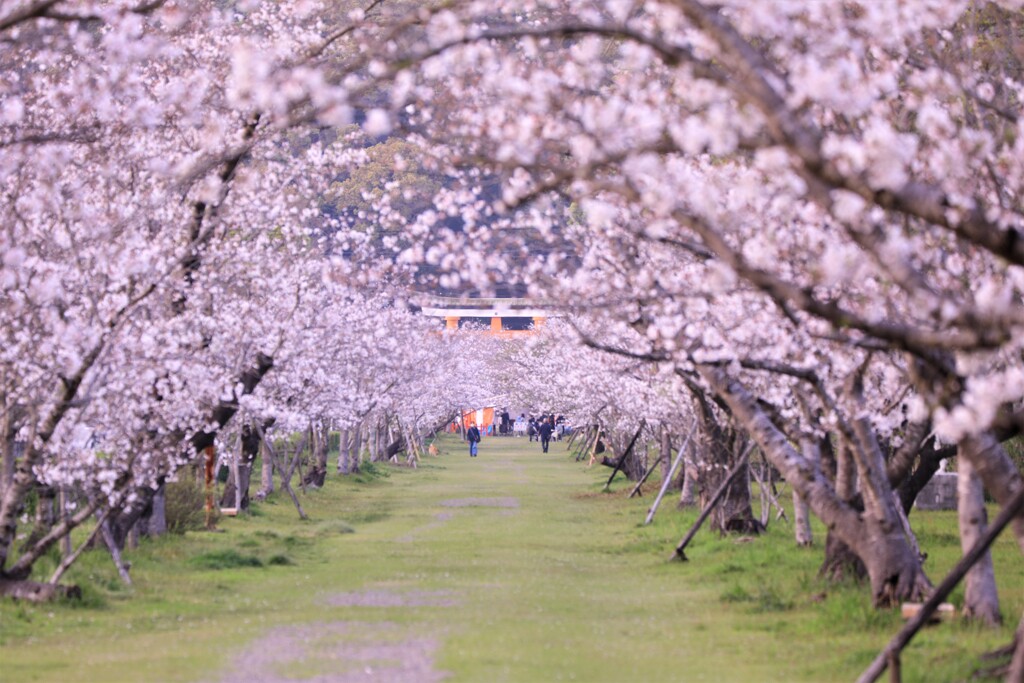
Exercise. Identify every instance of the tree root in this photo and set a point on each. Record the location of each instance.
(33, 591)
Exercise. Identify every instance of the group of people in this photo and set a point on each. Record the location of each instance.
(541, 428)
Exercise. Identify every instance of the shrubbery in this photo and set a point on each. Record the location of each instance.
(185, 502)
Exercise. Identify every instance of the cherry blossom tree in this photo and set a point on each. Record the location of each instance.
(804, 216)
(809, 211)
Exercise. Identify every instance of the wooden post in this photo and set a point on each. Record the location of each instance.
(584, 445)
(636, 489)
(115, 553)
(210, 455)
(668, 480)
(718, 495)
(622, 460)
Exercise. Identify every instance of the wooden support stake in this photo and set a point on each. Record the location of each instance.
(70, 558)
(1012, 509)
(773, 501)
(622, 460)
(668, 480)
(719, 494)
(636, 489)
(115, 552)
(583, 445)
(286, 475)
(210, 459)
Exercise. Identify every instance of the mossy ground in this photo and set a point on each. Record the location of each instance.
(565, 585)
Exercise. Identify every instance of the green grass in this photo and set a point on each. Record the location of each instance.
(566, 586)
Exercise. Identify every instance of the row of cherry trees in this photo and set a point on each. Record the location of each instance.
(167, 274)
(810, 215)
(806, 218)
(801, 221)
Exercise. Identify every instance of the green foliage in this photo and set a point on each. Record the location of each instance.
(761, 598)
(333, 527)
(224, 559)
(280, 561)
(185, 502)
(369, 471)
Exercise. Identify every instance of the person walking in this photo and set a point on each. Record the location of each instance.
(473, 437)
(545, 430)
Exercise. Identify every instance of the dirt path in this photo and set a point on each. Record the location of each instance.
(383, 651)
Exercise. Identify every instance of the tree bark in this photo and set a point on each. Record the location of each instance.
(723, 447)
(665, 450)
(11, 447)
(713, 500)
(266, 472)
(893, 568)
(997, 472)
(343, 445)
(320, 440)
(156, 525)
(841, 562)
(981, 598)
(629, 462)
(691, 475)
(802, 521)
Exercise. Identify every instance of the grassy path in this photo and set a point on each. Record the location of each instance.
(507, 567)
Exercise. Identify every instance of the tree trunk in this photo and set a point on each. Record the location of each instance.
(981, 598)
(266, 472)
(235, 475)
(62, 503)
(893, 568)
(236, 489)
(344, 466)
(374, 439)
(722, 448)
(319, 442)
(997, 472)
(356, 451)
(156, 525)
(801, 512)
(802, 521)
(690, 476)
(635, 465)
(841, 562)
(12, 448)
(665, 451)
(630, 455)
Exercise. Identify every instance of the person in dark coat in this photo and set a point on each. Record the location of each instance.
(545, 430)
(473, 437)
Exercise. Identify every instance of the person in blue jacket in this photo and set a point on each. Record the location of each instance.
(473, 437)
